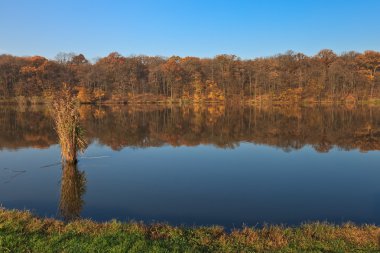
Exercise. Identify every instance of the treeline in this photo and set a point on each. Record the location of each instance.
(288, 77)
(289, 128)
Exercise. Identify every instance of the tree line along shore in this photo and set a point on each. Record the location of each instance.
(288, 78)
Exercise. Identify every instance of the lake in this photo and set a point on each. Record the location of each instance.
(197, 165)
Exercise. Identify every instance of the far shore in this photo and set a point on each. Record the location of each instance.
(167, 101)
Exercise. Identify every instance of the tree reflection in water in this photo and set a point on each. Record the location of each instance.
(287, 127)
(73, 186)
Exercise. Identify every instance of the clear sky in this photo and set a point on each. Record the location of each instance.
(201, 28)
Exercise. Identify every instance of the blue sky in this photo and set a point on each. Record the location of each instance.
(198, 28)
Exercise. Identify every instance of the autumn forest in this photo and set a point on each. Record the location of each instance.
(284, 78)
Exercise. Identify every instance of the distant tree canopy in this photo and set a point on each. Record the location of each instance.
(115, 77)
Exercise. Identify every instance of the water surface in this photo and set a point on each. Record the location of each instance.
(198, 165)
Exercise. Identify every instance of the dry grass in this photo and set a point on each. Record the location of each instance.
(20, 231)
(66, 116)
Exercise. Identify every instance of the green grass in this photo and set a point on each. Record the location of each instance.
(20, 231)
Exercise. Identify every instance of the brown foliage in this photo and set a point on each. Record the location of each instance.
(325, 76)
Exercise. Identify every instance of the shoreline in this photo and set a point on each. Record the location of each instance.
(21, 231)
(246, 102)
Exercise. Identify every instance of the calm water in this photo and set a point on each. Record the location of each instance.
(198, 165)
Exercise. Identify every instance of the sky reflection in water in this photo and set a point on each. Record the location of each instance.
(198, 185)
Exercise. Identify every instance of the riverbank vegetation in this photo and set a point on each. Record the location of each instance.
(20, 231)
(281, 79)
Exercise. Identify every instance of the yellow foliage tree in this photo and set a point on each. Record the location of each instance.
(214, 93)
(84, 95)
(198, 90)
(99, 94)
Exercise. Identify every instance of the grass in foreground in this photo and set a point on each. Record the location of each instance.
(20, 231)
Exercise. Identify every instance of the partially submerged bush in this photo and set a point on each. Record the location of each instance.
(66, 116)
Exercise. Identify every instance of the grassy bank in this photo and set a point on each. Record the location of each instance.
(20, 231)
